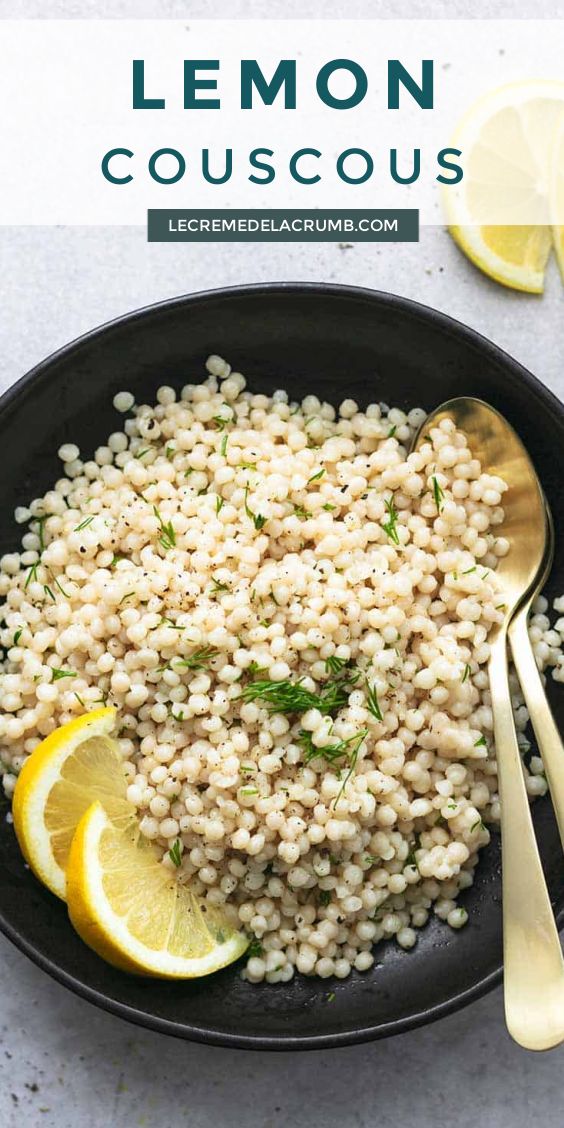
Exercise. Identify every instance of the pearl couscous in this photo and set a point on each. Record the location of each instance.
(291, 614)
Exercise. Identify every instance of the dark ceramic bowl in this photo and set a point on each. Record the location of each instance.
(334, 342)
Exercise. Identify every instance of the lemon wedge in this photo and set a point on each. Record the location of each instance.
(500, 213)
(557, 196)
(134, 913)
(74, 765)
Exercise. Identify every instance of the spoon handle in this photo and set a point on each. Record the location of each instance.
(548, 738)
(533, 964)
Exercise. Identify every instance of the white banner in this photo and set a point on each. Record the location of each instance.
(67, 94)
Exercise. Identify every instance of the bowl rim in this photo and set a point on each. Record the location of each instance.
(453, 329)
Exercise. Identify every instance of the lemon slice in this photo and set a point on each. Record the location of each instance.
(134, 913)
(557, 196)
(74, 765)
(500, 213)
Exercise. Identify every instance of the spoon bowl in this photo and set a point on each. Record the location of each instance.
(501, 453)
(533, 964)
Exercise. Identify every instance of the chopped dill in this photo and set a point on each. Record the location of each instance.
(219, 503)
(316, 477)
(391, 432)
(198, 660)
(167, 538)
(223, 447)
(221, 422)
(292, 697)
(175, 854)
(481, 742)
(479, 823)
(58, 674)
(255, 948)
(218, 586)
(59, 585)
(438, 494)
(373, 704)
(31, 575)
(466, 673)
(390, 526)
(257, 518)
(84, 524)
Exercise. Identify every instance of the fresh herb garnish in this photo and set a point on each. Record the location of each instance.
(255, 948)
(218, 586)
(438, 494)
(292, 697)
(373, 705)
(411, 860)
(331, 996)
(142, 453)
(316, 477)
(391, 432)
(299, 511)
(59, 585)
(58, 674)
(165, 621)
(127, 595)
(41, 532)
(478, 823)
(343, 749)
(331, 752)
(469, 570)
(31, 575)
(390, 526)
(223, 447)
(175, 853)
(328, 507)
(248, 791)
(49, 592)
(324, 897)
(168, 536)
(17, 636)
(80, 701)
(466, 673)
(221, 422)
(199, 659)
(480, 743)
(257, 518)
(83, 524)
(334, 665)
(219, 503)
(170, 452)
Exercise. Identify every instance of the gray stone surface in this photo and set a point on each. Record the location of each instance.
(62, 1063)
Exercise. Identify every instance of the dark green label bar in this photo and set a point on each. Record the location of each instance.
(179, 225)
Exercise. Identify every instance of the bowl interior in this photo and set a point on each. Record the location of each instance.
(335, 343)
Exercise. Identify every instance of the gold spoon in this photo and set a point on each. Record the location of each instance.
(548, 738)
(533, 963)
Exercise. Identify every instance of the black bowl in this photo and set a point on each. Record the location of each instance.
(336, 342)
